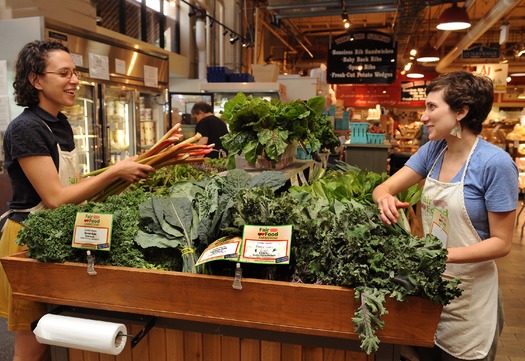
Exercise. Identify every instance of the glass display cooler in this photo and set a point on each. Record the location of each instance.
(152, 119)
(134, 121)
(180, 105)
(120, 120)
(83, 120)
(222, 92)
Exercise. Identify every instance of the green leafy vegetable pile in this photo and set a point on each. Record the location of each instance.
(259, 127)
(338, 238)
(196, 213)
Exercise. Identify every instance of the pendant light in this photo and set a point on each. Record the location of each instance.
(415, 72)
(428, 53)
(454, 18)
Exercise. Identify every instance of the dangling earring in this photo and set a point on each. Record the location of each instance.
(456, 131)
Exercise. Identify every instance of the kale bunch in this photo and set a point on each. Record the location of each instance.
(344, 243)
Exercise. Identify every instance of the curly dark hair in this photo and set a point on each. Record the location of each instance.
(32, 60)
(464, 89)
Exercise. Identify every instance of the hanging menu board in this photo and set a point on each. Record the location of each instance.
(414, 92)
(366, 57)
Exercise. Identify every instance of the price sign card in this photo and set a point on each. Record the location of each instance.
(259, 244)
(225, 248)
(266, 244)
(93, 231)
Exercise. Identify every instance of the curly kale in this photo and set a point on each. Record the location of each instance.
(344, 243)
(49, 234)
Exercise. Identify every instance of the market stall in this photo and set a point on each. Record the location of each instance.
(359, 303)
(204, 317)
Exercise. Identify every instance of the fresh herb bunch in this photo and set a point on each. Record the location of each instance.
(161, 181)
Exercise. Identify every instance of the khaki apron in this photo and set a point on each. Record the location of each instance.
(467, 325)
(21, 312)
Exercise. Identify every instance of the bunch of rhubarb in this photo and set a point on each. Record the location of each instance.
(171, 149)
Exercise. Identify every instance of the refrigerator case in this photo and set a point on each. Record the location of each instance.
(180, 105)
(82, 117)
(120, 119)
(134, 120)
(153, 121)
(222, 92)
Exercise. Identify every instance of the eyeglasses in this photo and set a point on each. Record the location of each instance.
(65, 73)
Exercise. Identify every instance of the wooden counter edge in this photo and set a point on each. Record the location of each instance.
(315, 310)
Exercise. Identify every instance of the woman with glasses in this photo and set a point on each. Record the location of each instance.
(43, 168)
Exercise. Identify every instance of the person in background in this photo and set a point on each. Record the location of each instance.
(210, 127)
(422, 134)
(43, 169)
(468, 202)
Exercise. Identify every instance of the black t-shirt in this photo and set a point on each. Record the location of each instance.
(213, 128)
(27, 135)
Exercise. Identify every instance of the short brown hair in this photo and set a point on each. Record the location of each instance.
(465, 89)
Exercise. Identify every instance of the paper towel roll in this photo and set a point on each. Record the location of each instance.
(81, 333)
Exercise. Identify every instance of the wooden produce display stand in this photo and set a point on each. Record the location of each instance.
(372, 157)
(202, 317)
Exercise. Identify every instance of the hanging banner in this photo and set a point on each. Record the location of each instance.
(365, 57)
(414, 92)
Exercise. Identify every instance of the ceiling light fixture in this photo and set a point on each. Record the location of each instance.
(415, 72)
(428, 53)
(233, 38)
(454, 18)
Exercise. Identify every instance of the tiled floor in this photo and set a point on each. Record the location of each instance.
(512, 283)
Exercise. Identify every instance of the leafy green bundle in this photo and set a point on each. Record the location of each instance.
(338, 238)
(341, 241)
(259, 127)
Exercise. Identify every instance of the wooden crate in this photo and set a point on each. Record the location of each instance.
(296, 313)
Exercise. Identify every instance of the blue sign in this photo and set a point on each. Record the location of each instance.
(480, 52)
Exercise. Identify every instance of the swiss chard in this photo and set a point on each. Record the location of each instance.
(265, 128)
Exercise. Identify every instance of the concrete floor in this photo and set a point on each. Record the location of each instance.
(6, 342)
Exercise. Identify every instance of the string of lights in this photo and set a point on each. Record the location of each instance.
(202, 14)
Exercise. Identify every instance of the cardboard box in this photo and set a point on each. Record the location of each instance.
(265, 72)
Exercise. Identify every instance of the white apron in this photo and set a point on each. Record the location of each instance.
(68, 168)
(467, 325)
